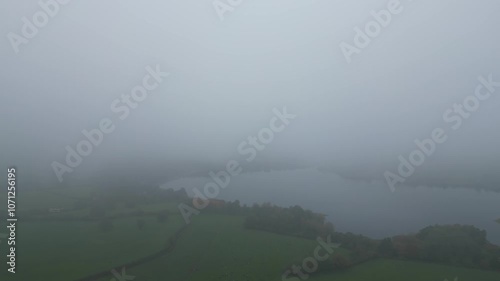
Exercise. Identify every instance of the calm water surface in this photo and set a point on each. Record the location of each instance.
(363, 207)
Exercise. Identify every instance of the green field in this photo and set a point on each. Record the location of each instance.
(46, 198)
(69, 250)
(393, 270)
(217, 247)
(213, 247)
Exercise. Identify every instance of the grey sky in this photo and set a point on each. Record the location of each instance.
(226, 77)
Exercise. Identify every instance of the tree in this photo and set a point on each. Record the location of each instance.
(340, 262)
(386, 248)
(407, 246)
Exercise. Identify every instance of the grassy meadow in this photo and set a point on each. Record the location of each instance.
(214, 247)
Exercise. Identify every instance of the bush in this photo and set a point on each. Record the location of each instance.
(340, 262)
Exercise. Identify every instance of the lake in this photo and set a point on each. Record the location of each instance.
(367, 208)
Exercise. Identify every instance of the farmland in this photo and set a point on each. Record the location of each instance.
(150, 241)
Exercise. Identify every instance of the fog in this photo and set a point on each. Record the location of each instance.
(227, 76)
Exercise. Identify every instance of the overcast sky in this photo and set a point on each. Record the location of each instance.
(226, 77)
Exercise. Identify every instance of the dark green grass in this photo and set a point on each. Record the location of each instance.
(217, 247)
(69, 250)
(394, 270)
